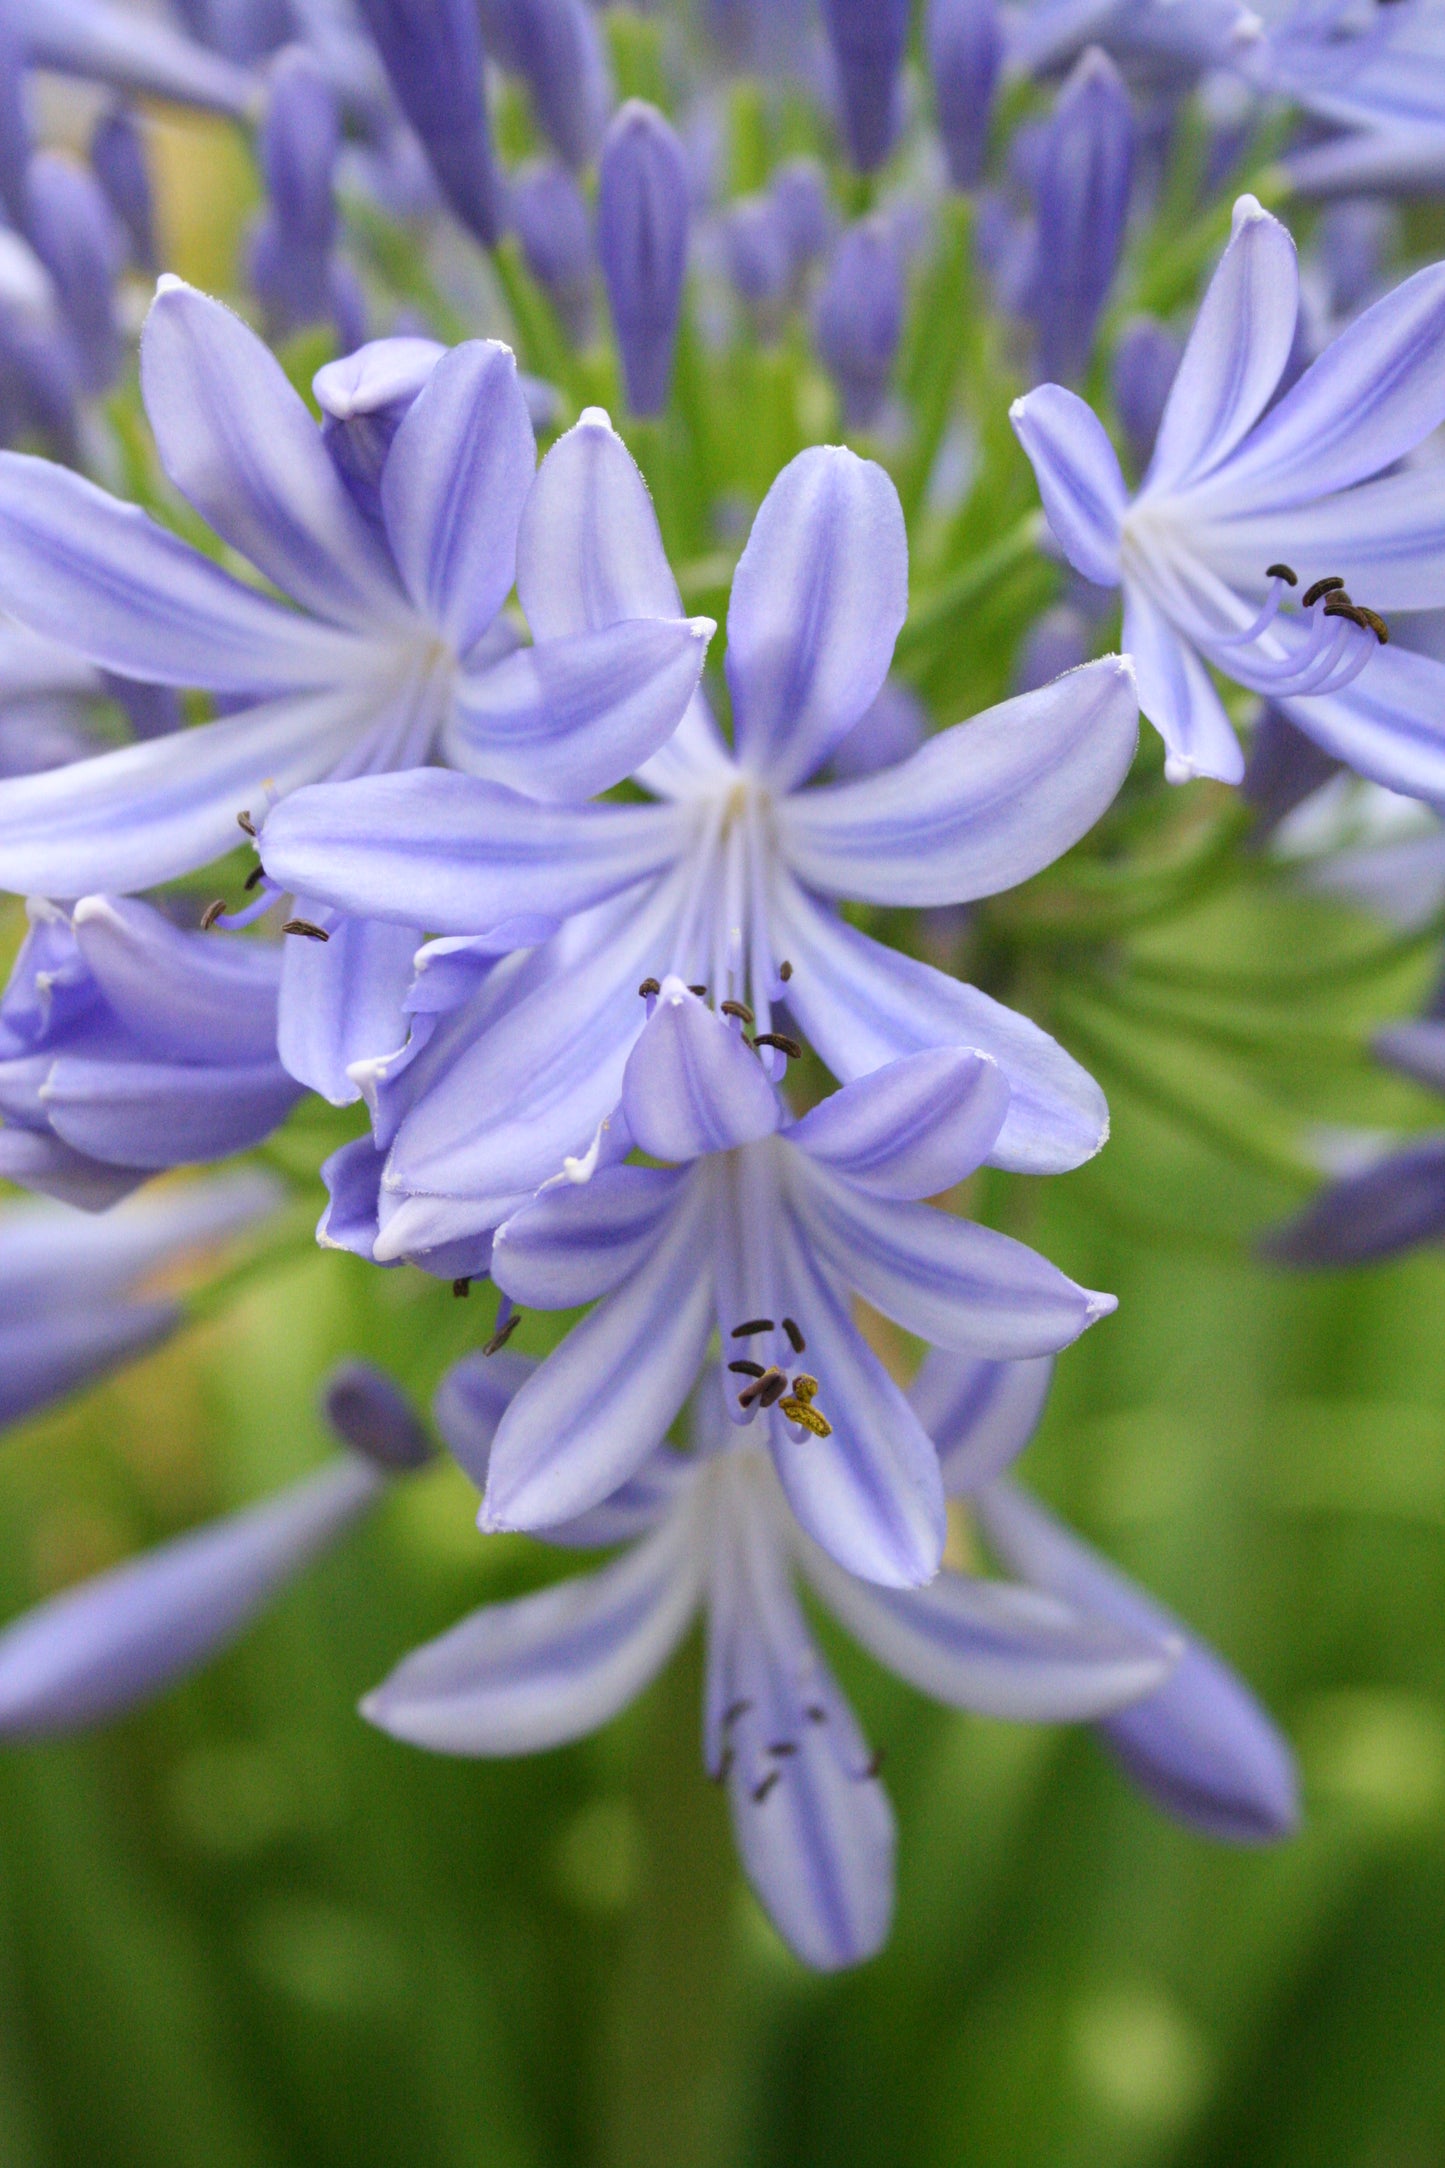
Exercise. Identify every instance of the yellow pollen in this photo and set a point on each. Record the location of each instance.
(798, 1407)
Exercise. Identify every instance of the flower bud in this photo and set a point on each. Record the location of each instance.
(868, 38)
(118, 161)
(1057, 642)
(370, 1413)
(859, 317)
(965, 46)
(299, 141)
(642, 222)
(76, 237)
(555, 45)
(1284, 768)
(799, 194)
(364, 398)
(554, 226)
(1143, 370)
(432, 53)
(1086, 166)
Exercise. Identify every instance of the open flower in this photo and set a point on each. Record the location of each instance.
(711, 1531)
(1256, 522)
(763, 1227)
(732, 879)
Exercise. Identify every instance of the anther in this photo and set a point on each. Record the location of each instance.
(1286, 573)
(1311, 595)
(649, 987)
(799, 1344)
(746, 1370)
(212, 912)
(780, 1039)
(874, 1765)
(799, 1408)
(304, 926)
(751, 1325)
(782, 1748)
(737, 1008)
(764, 1390)
(785, 972)
(760, 1791)
(1375, 622)
(733, 1711)
(724, 1768)
(254, 878)
(463, 1286)
(244, 820)
(503, 1334)
(1341, 606)
(816, 1713)
(700, 991)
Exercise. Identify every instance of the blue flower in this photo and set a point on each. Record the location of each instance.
(1159, 37)
(764, 1227)
(731, 879)
(111, 43)
(78, 1294)
(128, 1046)
(1374, 78)
(712, 1532)
(293, 265)
(1248, 507)
(89, 1654)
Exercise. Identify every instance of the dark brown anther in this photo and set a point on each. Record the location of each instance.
(733, 1711)
(737, 1008)
(1341, 606)
(1311, 595)
(751, 1325)
(254, 878)
(874, 1765)
(1375, 622)
(746, 1370)
(764, 1390)
(1286, 573)
(782, 1748)
(816, 1713)
(798, 1343)
(503, 1334)
(785, 971)
(650, 987)
(724, 1768)
(244, 820)
(462, 1286)
(760, 1791)
(700, 991)
(780, 1039)
(304, 926)
(212, 912)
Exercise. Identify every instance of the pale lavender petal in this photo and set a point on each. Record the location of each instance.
(516, 1677)
(189, 996)
(1201, 1744)
(590, 552)
(1077, 470)
(818, 600)
(1236, 354)
(979, 808)
(979, 1414)
(238, 442)
(452, 491)
(692, 1085)
(1383, 1211)
(577, 1241)
(1177, 695)
(37, 1161)
(88, 1655)
(1385, 539)
(342, 999)
(151, 1114)
(50, 1255)
(1389, 725)
(45, 1359)
(912, 1128)
(133, 50)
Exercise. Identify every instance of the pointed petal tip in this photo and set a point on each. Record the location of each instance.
(1100, 1305)
(1247, 210)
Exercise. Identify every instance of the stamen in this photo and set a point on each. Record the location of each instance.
(746, 1370)
(700, 991)
(782, 1748)
(462, 1286)
(1282, 572)
(752, 1325)
(799, 1344)
(816, 1713)
(508, 1320)
(738, 1009)
(785, 971)
(1311, 595)
(873, 1766)
(724, 1768)
(212, 912)
(304, 926)
(254, 878)
(784, 1044)
(244, 820)
(764, 1390)
(649, 987)
(1375, 622)
(1341, 606)
(799, 1408)
(760, 1791)
(733, 1711)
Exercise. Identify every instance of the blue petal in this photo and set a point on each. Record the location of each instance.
(818, 600)
(1236, 354)
(1417, 1050)
(979, 1414)
(1077, 470)
(1389, 725)
(37, 1161)
(604, 1399)
(133, 51)
(46, 1359)
(457, 855)
(238, 442)
(85, 569)
(860, 1005)
(1000, 1650)
(88, 1655)
(571, 717)
(516, 1677)
(453, 487)
(979, 808)
(52, 1257)
(182, 996)
(1375, 393)
(912, 1128)
(470, 1402)
(949, 1280)
(152, 1114)
(577, 1241)
(1201, 1744)
(1385, 1210)
(342, 1000)
(352, 1177)
(692, 1085)
(1177, 695)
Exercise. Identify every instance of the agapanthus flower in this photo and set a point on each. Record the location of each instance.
(711, 1531)
(1159, 37)
(728, 880)
(1235, 551)
(764, 1227)
(132, 49)
(80, 1295)
(96, 1650)
(1375, 78)
(128, 1045)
